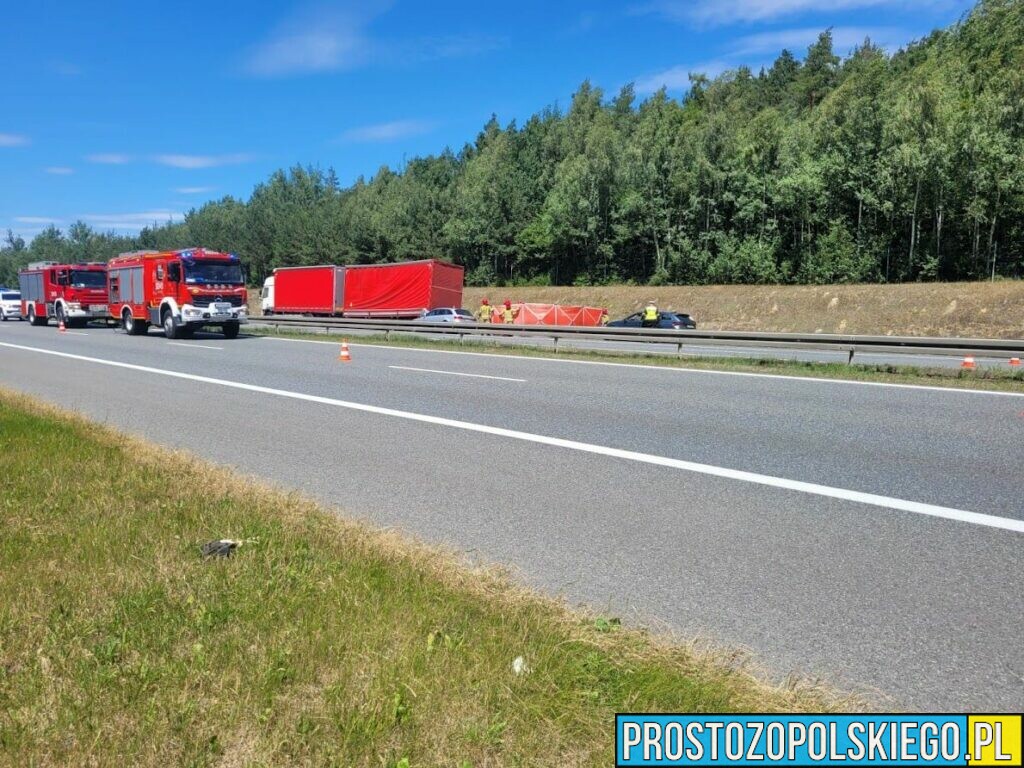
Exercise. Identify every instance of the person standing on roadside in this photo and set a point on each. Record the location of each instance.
(605, 317)
(650, 315)
(483, 315)
(508, 315)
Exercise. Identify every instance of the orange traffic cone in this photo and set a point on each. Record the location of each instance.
(60, 326)
(345, 356)
(968, 364)
(1014, 362)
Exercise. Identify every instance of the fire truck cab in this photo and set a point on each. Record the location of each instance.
(72, 293)
(181, 291)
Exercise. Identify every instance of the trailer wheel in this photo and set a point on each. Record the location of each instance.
(33, 318)
(132, 326)
(171, 329)
(231, 330)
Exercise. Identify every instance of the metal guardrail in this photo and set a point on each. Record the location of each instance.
(850, 344)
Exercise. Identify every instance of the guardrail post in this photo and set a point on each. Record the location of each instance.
(679, 349)
(555, 338)
(387, 334)
(849, 360)
(462, 338)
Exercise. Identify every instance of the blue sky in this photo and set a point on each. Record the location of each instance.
(136, 113)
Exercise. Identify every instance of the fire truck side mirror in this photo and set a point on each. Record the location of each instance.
(174, 272)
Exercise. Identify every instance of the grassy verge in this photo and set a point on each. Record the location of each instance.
(997, 379)
(320, 642)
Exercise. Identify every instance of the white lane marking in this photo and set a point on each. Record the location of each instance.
(859, 497)
(73, 333)
(655, 367)
(453, 373)
(190, 346)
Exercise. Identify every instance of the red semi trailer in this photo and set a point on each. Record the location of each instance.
(404, 289)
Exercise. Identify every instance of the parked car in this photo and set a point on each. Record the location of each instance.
(447, 315)
(666, 321)
(10, 305)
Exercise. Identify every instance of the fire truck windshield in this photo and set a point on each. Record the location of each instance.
(88, 278)
(213, 272)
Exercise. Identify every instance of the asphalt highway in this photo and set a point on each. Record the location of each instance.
(868, 534)
(696, 349)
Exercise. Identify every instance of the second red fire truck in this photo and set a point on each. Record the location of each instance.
(181, 291)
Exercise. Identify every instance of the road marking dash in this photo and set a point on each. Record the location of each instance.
(190, 346)
(814, 489)
(454, 373)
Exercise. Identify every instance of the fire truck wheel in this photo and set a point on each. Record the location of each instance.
(231, 330)
(132, 326)
(33, 318)
(171, 329)
(60, 315)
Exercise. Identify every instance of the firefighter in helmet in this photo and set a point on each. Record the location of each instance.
(508, 315)
(483, 315)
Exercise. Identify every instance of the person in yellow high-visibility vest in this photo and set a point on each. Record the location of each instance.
(508, 315)
(483, 315)
(650, 319)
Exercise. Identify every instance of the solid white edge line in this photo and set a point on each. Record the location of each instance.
(454, 373)
(886, 502)
(189, 346)
(776, 376)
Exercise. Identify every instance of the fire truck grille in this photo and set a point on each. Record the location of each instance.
(205, 301)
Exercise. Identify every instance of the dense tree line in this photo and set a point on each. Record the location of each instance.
(874, 168)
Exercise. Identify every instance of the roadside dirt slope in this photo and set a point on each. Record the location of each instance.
(982, 310)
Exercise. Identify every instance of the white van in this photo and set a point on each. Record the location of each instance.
(267, 296)
(10, 304)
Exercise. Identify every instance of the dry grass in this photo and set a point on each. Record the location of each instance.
(321, 642)
(978, 310)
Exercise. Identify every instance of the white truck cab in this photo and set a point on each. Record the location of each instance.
(267, 296)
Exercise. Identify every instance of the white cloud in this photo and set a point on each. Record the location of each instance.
(678, 78)
(193, 162)
(65, 68)
(844, 39)
(315, 41)
(60, 170)
(36, 220)
(337, 39)
(392, 131)
(797, 40)
(192, 190)
(109, 158)
(13, 140)
(717, 12)
(130, 222)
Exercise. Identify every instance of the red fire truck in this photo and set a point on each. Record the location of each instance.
(181, 291)
(72, 293)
